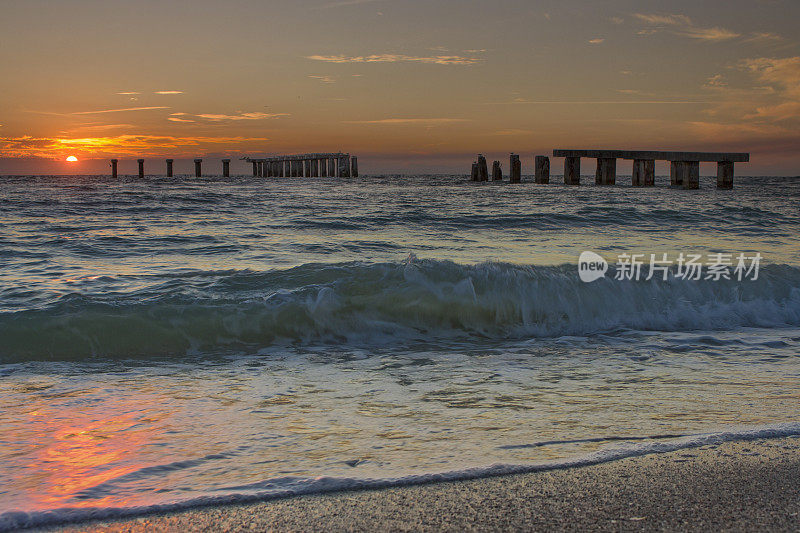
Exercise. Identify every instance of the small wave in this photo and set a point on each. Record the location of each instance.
(296, 486)
(379, 304)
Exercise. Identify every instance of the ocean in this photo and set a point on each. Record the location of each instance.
(167, 343)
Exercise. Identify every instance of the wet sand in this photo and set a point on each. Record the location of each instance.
(740, 486)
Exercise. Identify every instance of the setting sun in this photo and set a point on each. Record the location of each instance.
(72, 159)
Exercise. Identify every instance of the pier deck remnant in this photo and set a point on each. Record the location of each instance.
(684, 166)
(305, 165)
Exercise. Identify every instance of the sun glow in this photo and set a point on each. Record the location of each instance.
(72, 159)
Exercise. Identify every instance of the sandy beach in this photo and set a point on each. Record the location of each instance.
(735, 486)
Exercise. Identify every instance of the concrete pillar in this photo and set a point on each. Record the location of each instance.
(226, 168)
(572, 170)
(474, 174)
(354, 167)
(197, 168)
(314, 168)
(114, 168)
(724, 175)
(298, 169)
(497, 172)
(689, 174)
(255, 168)
(483, 171)
(542, 172)
(141, 168)
(644, 173)
(169, 168)
(514, 169)
(344, 166)
(606, 173)
(323, 168)
(333, 167)
(674, 177)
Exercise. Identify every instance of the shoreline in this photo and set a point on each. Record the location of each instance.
(740, 485)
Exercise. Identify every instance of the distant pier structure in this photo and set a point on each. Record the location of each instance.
(335, 165)
(684, 167)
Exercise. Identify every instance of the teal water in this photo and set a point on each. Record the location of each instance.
(168, 341)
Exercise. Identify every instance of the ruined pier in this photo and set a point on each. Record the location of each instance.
(335, 165)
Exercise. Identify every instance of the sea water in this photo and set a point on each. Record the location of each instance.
(172, 342)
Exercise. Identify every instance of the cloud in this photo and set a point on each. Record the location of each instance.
(344, 3)
(121, 145)
(177, 119)
(410, 121)
(121, 110)
(241, 116)
(629, 91)
(129, 93)
(683, 25)
(616, 20)
(716, 81)
(764, 37)
(782, 75)
(596, 41)
(324, 79)
(168, 92)
(523, 101)
(398, 58)
(512, 132)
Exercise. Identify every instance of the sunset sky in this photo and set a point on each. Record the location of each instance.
(407, 85)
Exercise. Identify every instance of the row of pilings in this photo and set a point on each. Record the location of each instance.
(480, 170)
(198, 167)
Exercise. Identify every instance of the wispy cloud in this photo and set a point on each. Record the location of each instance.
(241, 116)
(129, 93)
(398, 58)
(178, 119)
(597, 41)
(120, 110)
(168, 92)
(522, 101)
(682, 25)
(344, 3)
(324, 79)
(410, 121)
(512, 132)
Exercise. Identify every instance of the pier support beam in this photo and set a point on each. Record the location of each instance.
(674, 178)
(688, 173)
(606, 173)
(198, 171)
(483, 171)
(114, 168)
(332, 167)
(353, 167)
(255, 169)
(474, 174)
(572, 170)
(542, 170)
(323, 168)
(344, 167)
(226, 168)
(315, 168)
(724, 175)
(497, 172)
(644, 173)
(514, 169)
(141, 168)
(169, 168)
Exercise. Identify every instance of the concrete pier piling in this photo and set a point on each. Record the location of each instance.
(141, 168)
(689, 174)
(542, 169)
(644, 173)
(323, 168)
(572, 170)
(255, 169)
(226, 168)
(114, 168)
(198, 171)
(353, 167)
(483, 170)
(725, 174)
(497, 171)
(606, 173)
(514, 169)
(474, 175)
(674, 179)
(169, 168)
(344, 166)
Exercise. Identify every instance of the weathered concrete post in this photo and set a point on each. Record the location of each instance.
(323, 168)
(542, 172)
(606, 173)
(497, 172)
(197, 169)
(114, 168)
(332, 167)
(169, 168)
(315, 168)
(689, 174)
(474, 174)
(255, 169)
(284, 169)
(724, 174)
(674, 177)
(483, 171)
(644, 173)
(572, 170)
(344, 166)
(226, 168)
(353, 167)
(515, 169)
(141, 168)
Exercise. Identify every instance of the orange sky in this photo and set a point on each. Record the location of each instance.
(405, 84)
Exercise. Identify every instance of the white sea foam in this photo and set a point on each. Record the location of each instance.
(296, 486)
